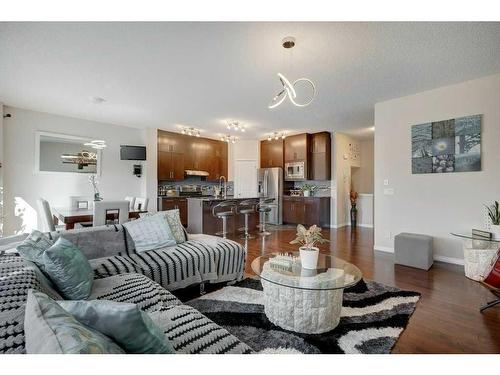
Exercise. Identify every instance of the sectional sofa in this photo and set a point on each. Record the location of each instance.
(121, 274)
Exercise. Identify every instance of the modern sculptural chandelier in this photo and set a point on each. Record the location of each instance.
(289, 89)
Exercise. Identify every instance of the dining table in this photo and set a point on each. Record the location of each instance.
(71, 216)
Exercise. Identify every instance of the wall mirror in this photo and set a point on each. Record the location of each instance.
(60, 153)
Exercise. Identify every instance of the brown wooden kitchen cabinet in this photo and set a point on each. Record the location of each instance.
(321, 156)
(306, 210)
(271, 153)
(297, 147)
(173, 203)
(179, 152)
(170, 166)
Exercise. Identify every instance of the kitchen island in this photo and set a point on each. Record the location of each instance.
(201, 220)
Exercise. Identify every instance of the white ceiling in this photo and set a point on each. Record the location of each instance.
(200, 74)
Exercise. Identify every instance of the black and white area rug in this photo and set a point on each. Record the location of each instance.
(372, 318)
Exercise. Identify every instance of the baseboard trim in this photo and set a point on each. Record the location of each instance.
(441, 258)
(334, 226)
(438, 258)
(365, 225)
(349, 224)
(385, 249)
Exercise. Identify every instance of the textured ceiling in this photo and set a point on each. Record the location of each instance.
(202, 74)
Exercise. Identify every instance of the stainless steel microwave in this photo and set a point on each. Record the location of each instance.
(295, 171)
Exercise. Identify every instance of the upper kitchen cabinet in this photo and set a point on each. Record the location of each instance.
(171, 142)
(170, 166)
(321, 156)
(178, 153)
(297, 147)
(271, 153)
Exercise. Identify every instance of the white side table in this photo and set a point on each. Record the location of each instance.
(478, 254)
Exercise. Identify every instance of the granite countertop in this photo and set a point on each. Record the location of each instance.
(228, 198)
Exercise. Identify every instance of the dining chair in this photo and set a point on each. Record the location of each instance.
(141, 204)
(103, 208)
(132, 201)
(46, 214)
(80, 202)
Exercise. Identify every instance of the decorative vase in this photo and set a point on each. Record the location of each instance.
(309, 257)
(97, 197)
(354, 215)
(495, 230)
(306, 193)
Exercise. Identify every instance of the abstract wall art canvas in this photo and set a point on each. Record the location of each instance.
(447, 146)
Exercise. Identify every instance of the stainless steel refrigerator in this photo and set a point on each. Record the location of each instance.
(270, 185)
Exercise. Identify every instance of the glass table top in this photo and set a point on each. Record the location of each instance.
(474, 237)
(286, 270)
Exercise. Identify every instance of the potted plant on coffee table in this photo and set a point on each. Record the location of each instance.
(494, 214)
(308, 238)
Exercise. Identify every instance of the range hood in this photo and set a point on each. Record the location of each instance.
(190, 172)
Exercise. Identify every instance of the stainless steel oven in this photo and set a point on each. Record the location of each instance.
(295, 171)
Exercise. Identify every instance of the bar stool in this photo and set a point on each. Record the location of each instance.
(263, 208)
(224, 210)
(246, 207)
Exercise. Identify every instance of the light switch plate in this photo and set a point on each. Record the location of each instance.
(386, 182)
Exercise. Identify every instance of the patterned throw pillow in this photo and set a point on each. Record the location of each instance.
(68, 269)
(150, 232)
(125, 323)
(49, 329)
(174, 222)
(34, 246)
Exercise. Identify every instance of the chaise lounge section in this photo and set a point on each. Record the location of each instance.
(201, 259)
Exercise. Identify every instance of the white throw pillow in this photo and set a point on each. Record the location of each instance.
(149, 233)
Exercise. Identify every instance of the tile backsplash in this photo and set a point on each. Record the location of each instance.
(206, 186)
(323, 187)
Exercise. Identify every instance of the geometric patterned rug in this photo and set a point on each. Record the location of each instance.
(373, 317)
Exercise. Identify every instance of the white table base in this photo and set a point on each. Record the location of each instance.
(302, 310)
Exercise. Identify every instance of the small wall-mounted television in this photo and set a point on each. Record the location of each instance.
(132, 152)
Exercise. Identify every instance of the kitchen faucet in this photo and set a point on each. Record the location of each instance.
(223, 186)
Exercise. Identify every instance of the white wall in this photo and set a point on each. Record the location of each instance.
(22, 186)
(1, 168)
(342, 179)
(362, 177)
(151, 177)
(435, 204)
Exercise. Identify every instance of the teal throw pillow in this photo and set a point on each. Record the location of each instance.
(49, 329)
(125, 323)
(68, 269)
(33, 247)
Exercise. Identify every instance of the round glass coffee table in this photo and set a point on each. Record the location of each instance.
(304, 300)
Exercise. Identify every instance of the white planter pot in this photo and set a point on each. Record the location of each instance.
(495, 229)
(309, 257)
(306, 193)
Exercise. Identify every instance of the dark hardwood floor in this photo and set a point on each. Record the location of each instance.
(447, 317)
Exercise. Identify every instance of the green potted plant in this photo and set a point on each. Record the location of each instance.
(494, 215)
(308, 238)
(307, 189)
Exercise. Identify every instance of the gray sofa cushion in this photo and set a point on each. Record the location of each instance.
(96, 242)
